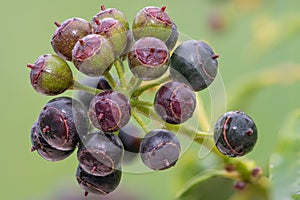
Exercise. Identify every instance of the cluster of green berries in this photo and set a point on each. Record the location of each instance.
(96, 124)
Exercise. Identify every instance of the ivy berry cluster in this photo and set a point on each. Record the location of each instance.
(93, 124)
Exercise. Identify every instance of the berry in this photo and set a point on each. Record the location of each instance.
(46, 151)
(111, 13)
(50, 75)
(195, 63)
(160, 149)
(109, 111)
(152, 22)
(101, 185)
(93, 55)
(172, 40)
(67, 34)
(62, 121)
(114, 31)
(95, 82)
(131, 138)
(235, 134)
(148, 58)
(100, 153)
(175, 102)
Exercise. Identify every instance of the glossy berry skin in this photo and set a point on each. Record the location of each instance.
(160, 149)
(114, 31)
(100, 185)
(100, 153)
(111, 13)
(62, 121)
(131, 138)
(95, 82)
(67, 34)
(152, 22)
(46, 151)
(235, 134)
(93, 55)
(175, 102)
(195, 63)
(148, 58)
(109, 111)
(50, 75)
(172, 40)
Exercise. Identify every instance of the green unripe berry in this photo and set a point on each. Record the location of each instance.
(114, 31)
(67, 34)
(93, 55)
(50, 75)
(111, 13)
(148, 58)
(152, 22)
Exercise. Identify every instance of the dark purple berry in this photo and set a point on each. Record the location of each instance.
(67, 34)
(148, 58)
(172, 40)
(175, 102)
(160, 149)
(109, 111)
(111, 13)
(152, 22)
(131, 138)
(100, 153)
(46, 151)
(50, 75)
(235, 134)
(93, 55)
(194, 62)
(100, 185)
(62, 121)
(114, 31)
(95, 82)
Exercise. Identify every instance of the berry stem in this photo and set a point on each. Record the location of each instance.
(120, 71)
(134, 83)
(136, 102)
(139, 121)
(199, 137)
(203, 120)
(144, 88)
(78, 86)
(111, 81)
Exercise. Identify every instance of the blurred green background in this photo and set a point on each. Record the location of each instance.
(249, 35)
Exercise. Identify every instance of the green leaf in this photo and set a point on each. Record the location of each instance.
(285, 162)
(207, 185)
(296, 196)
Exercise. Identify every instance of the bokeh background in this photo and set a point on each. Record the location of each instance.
(250, 35)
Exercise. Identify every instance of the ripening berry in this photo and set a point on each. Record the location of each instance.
(194, 62)
(235, 134)
(50, 75)
(160, 149)
(175, 102)
(114, 31)
(100, 185)
(46, 151)
(62, 121)
(109, 111)
(100, 153)
(93, 55)
(152, 22)
(148, 58)
(67, 34)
